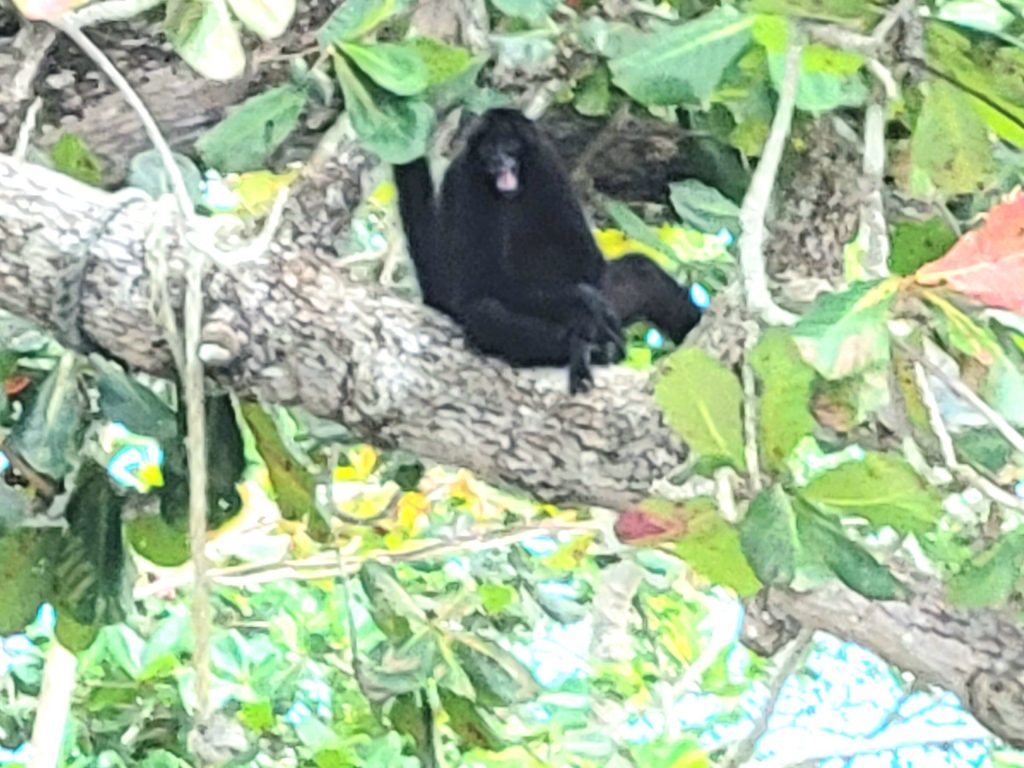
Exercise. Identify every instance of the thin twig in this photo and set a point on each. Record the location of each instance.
(875, 264)
(753, 270)
(326, 564)
(792, 659)
(34, 41)
(1013, 437)
(965, 473)
(25, 130)
(750, 446)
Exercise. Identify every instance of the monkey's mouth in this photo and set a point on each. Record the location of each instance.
(507, 181)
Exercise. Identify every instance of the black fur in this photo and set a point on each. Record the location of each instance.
(638, 289)
(506, 252)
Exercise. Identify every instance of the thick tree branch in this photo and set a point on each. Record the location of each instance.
(978, 654)
(300, 334)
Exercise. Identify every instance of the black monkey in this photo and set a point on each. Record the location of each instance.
(506, 252)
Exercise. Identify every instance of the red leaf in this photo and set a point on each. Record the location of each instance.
(16, 384)
(636, 526)
(987, 264)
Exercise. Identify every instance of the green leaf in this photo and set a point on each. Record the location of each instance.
(267, 18)
(161, 758)
(91, 566)
(995, 78)
(786, 382)
(393, 609)
(469, 722)
(637, 229)
(712, 547)
(703, 207)
(47, 435)
(395, 67)
(499, 678)
(123, 399)
(829, 78)
(984, 448)
(225, 459)
(883, 488)
(768, 536)
(684, 64)
(157, 540)
(71, 155)
(443, 62)
(294, 487)
(27, 558)
(495, 598)
(204, 35)
(1003, 384)
(534, 11)
(665, 752)
(593, 93)
(246, 137)
(257, 716)
(950, 149)
(147, 172)
(14, 504)
(992, 577)
(702, 401)
(915, 243)
(354, 18)
(396, 130)
(846, 333)
(851, 563)
(399, 671)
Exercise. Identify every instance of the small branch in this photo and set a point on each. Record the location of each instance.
(1013, 437)
(750, 448)
(34, 41)
(755, 203)
(25, 130)
(54, 705)
(874, 230)
(897, 12)
(839, 37)
(325, 566)
(964, 472)
(792, 659)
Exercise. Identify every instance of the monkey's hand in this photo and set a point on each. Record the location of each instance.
(596, 325)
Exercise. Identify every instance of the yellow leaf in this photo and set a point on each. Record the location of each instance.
(151, 476)
(614, 243)
(412, 511)
(569, 556)
(385, 194)
(361, 461)
(257, 190)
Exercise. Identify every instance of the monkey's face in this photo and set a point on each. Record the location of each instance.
(500, 156)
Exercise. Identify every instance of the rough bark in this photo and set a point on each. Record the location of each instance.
(392, 371)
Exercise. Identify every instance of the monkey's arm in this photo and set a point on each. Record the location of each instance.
(420, 221)
(525, 340)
